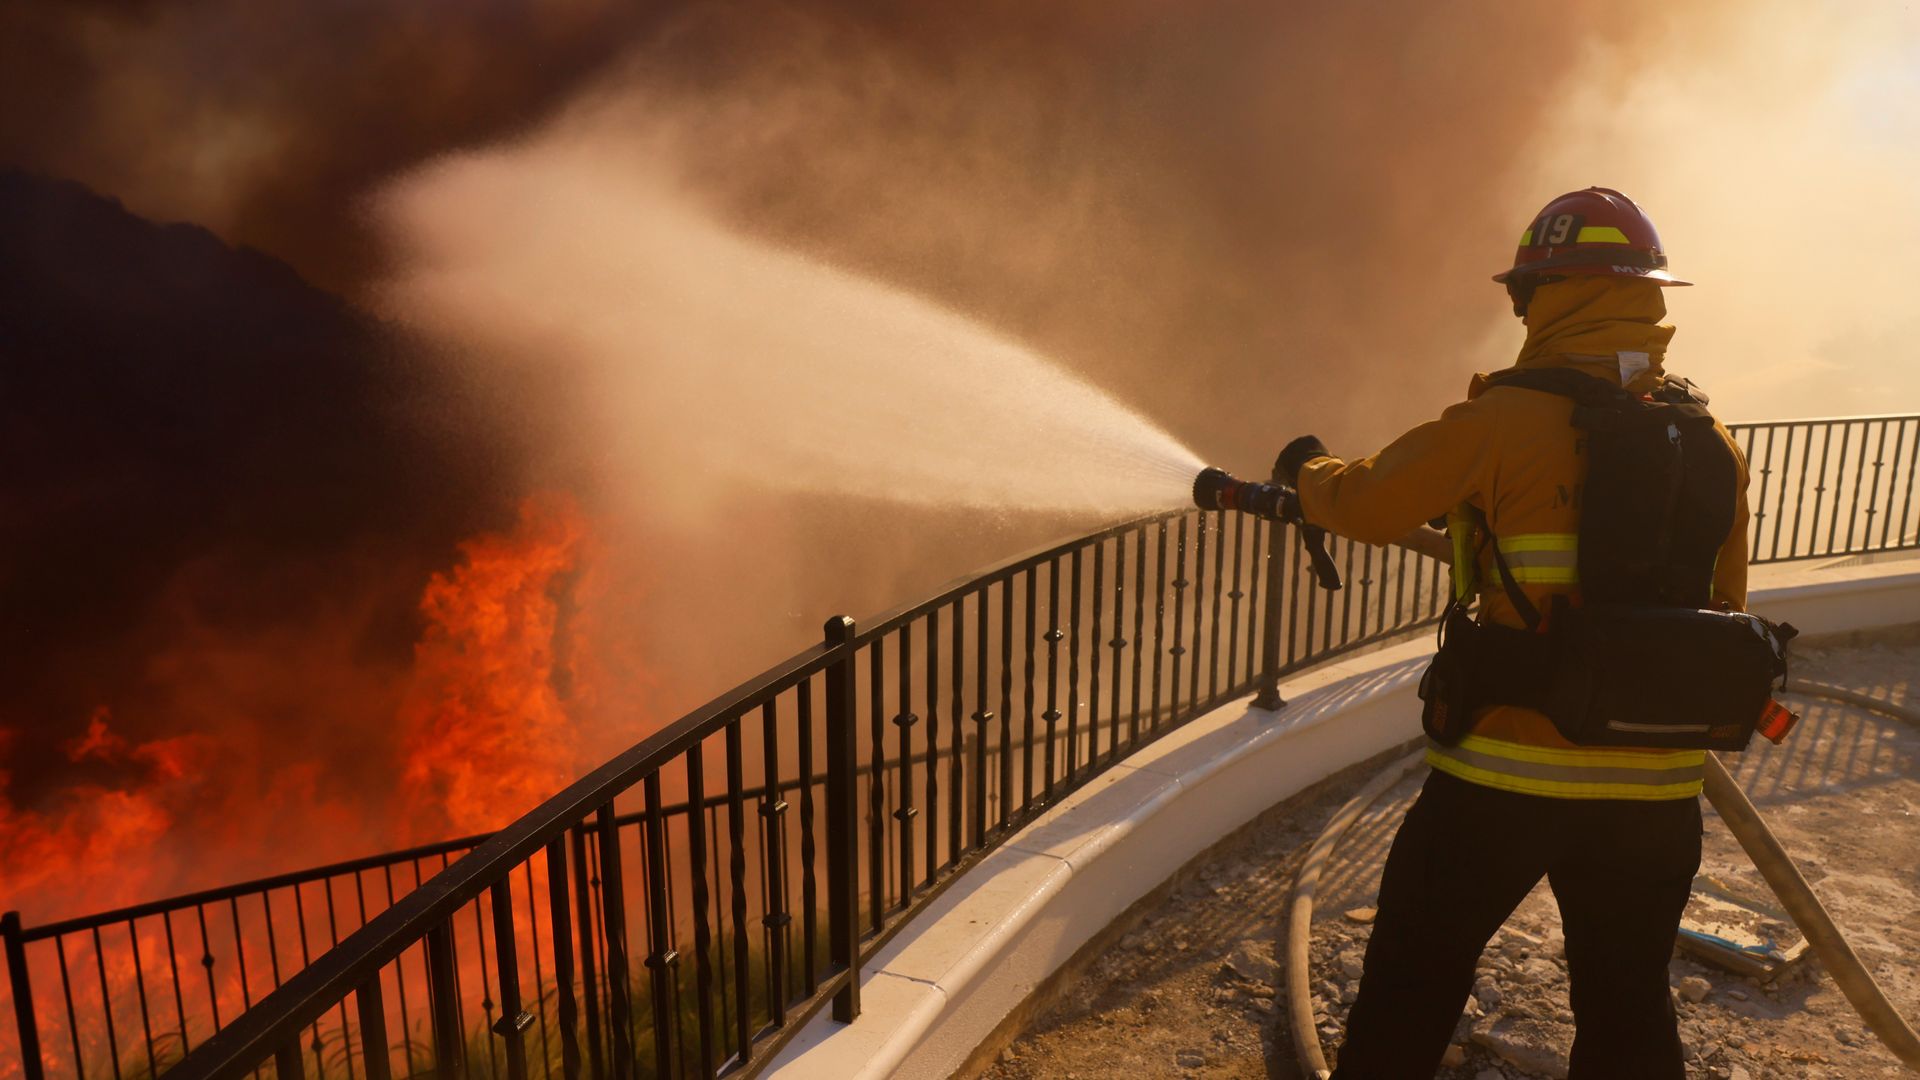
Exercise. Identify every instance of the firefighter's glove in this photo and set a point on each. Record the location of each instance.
(1295, 455)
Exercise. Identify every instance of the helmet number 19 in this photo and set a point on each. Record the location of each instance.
(1556, 229)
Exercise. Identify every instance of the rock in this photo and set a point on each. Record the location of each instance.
(1190, 1059)
(1362, 914)
(1489, 1074)
(1695, 989)
(1454, 1057)
(1351, 965)
(1532, 1047)
(1739, 1072)
(1847, 1036)
(1536, 971)
(1737, 995)
(1253, 961)
(1486, 993)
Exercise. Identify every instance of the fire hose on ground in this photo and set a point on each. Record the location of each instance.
(1743, 820)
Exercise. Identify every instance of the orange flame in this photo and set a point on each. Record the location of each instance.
(487, 733)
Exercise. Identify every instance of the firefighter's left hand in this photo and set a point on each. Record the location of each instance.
(1295, 455)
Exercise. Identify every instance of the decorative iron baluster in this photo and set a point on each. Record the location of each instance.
(21, 988)
(876, 805)
(560, 926)
(449, 1047)
(809, 889)
(702, 930)
(1268, 696)
(585, 882)
(1236, 594)
(513, 1022)
(1073, 665)
(843, 871)
(932, 817)
(1179, 649)
(372, 1010)
(904, 720)
(1159, 620)
(1006, 701)
(1053, 635)
(737, 867)
(982, 716)
(613, 923)
(956, 800)
(1213, 629)
(1094, 646)
(773, 818)
(1139, 631)
(1027, 688)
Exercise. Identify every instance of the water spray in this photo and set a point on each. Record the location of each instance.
(1216, 489)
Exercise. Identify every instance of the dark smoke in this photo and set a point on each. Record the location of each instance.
(201, 445)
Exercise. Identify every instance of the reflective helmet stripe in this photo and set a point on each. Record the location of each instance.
(1589, 234)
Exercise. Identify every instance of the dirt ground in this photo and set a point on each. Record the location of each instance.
(1189, 989)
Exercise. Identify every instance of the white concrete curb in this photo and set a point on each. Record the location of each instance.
(939, 988)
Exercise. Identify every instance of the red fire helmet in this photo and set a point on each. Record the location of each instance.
(1593, 232)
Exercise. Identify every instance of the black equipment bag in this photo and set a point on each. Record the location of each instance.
(1677, 678)
(1642, 660)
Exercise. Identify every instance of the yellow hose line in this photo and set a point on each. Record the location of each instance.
(1798, 898)
(1306, 1040)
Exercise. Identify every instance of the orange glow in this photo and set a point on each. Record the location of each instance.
(93, 840)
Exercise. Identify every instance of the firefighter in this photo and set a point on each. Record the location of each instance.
(1614, 830)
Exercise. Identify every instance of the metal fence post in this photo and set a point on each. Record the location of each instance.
(22, 989)
(1278, 536)
(843, 867)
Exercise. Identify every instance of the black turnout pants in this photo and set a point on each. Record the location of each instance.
(1463, 860)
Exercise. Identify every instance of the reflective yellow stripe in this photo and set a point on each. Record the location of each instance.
(1460, 529)
(1526, 238)
(1575, 773)
(1543, 558)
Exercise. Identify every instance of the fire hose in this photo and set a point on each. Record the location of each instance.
(1214, 489)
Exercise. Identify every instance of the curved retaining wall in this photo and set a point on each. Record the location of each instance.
(946, 981)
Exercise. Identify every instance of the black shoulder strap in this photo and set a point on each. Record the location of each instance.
(1587, 390)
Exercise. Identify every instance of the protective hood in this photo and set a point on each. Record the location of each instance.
(1603, 326)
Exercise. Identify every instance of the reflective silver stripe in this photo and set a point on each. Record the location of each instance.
(1574, 774)
(1623, 725)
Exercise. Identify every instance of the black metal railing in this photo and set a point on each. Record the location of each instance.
(1832, 487)
(687, 929)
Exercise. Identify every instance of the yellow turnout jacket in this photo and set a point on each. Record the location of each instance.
(1513, 455)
